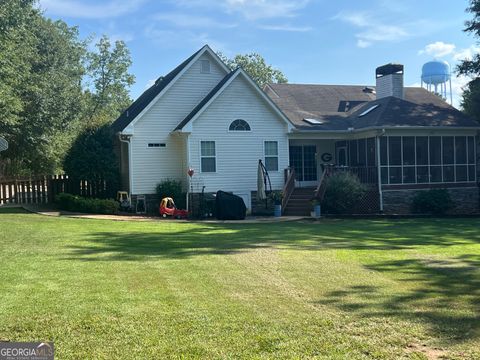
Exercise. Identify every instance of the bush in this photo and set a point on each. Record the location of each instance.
(434, 201)
(343, 191)
(172, 188)
(92, 157)
(79, 204)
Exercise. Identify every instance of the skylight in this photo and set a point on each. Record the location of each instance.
(369, 110)
(313, 121)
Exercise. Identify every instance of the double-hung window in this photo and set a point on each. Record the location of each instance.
(208, 156)
(271, 155)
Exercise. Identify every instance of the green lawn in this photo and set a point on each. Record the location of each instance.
(341, 289)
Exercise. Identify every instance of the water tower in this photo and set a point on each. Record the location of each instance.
(436, 77)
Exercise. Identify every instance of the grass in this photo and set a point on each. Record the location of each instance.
(337, 289)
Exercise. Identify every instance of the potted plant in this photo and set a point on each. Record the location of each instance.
(277, 197)
(316, 213)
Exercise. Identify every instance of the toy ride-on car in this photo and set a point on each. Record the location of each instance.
(168, 208)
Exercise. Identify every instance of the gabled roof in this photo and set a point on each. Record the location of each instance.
(144, 100)
(205, 100)
(338, 107)
(138, 105)
(202, 105)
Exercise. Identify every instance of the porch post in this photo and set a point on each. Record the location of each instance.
(379, 175)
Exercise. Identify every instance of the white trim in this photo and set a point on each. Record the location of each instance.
(471, 128)
(379, 175)
(205, 49)
(239, 131)
(189, 126)
(207, 157)
(271, 156)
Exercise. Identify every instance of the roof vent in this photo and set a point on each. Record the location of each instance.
(371, 108)
(313, 121)
(159, 80)
(368, 90)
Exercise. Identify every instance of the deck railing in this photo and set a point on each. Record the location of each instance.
(366, 174)
(288, 187)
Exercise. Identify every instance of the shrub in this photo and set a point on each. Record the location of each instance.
(277, 197)
(172, 188)
(433, 201)
(343, 191)
(77, 203)
(92, 157)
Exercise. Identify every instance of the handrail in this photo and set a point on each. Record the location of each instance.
(288, 188)
(320, 190)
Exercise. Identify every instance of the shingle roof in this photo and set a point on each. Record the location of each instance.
(338, 107)
(206, 99)
(148, 95)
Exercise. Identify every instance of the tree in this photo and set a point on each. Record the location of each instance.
(92, 156)
(40, 87)
(255, 66)
(471, 67)
(471, 99)
(108, 71)
(51, 86)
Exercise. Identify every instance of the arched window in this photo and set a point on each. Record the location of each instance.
(239, 125)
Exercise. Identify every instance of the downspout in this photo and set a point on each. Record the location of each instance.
(129, 161)
(379, 175)
(189, 179)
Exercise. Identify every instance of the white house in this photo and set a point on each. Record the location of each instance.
(203, 116)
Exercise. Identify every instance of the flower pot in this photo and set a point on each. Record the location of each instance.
(277, 210)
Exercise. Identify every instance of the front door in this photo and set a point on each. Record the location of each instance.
(303, 161)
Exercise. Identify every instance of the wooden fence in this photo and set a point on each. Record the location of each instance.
(42, 190)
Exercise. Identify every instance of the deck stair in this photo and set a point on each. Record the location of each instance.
(300, 203)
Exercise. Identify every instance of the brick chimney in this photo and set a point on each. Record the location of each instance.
(389, 80)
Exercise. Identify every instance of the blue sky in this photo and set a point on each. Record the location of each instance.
(311, 41)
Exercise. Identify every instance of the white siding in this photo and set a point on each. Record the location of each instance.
(237, 153)
(152, 165)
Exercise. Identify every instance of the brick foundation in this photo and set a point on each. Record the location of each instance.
(399, 201)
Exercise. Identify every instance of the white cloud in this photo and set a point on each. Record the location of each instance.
(260, 9)
(191, 21)
(438, 49)
(372, 30)
(150, 83)
(289, 28)
(182, 38)
(251, 9)
(466, 54)
(79, 9)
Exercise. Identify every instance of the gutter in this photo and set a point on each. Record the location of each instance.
(383, 128)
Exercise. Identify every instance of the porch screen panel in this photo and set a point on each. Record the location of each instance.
(371, 152)
(461, 170)
(421, 153)
(435, 153)
(427, 159)
(362, 152)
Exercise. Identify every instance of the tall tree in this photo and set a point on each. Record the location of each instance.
(41, 81)
(255, 66)
(471, 67)
(110, 80)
